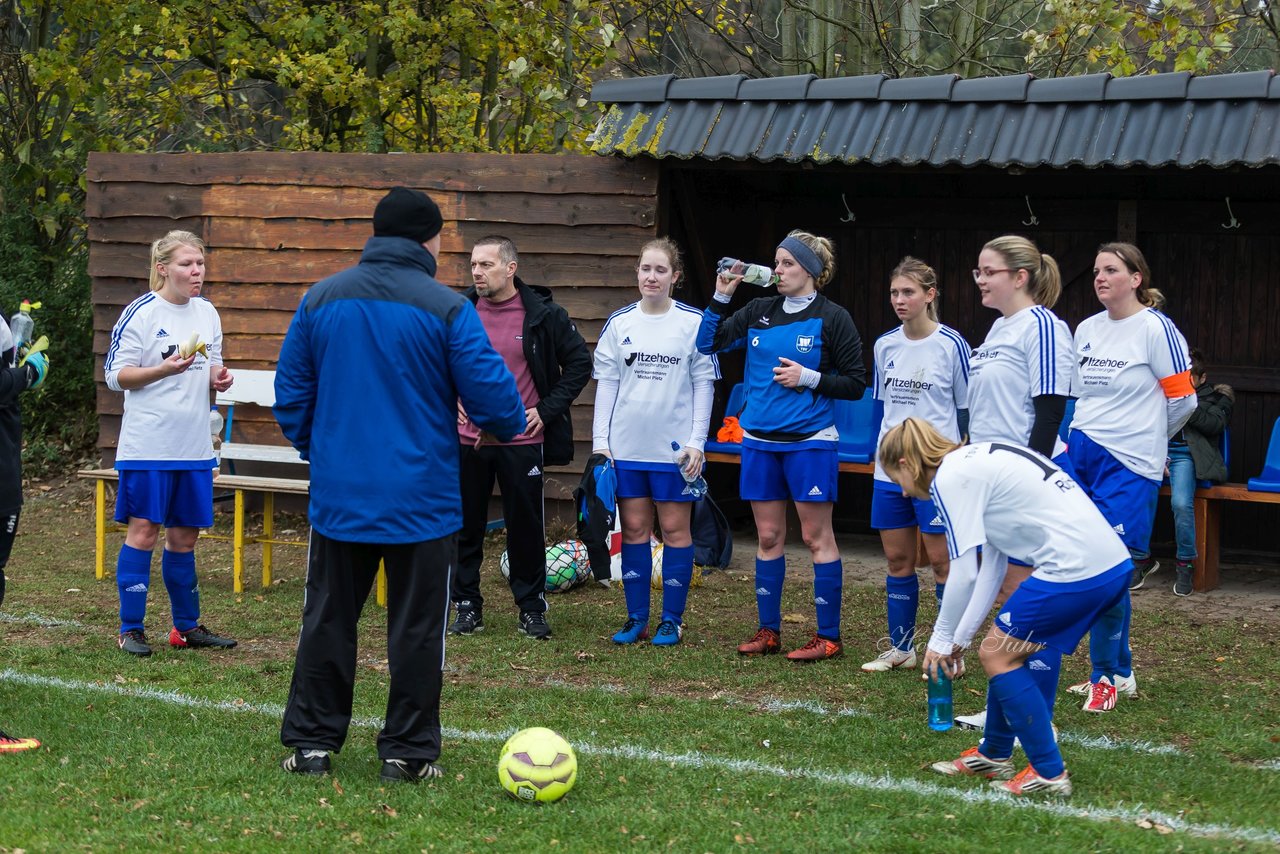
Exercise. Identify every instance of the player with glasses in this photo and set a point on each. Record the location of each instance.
(1019, 381)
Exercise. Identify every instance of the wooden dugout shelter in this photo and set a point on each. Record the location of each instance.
(1188, 168)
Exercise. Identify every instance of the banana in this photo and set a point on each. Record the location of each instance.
(191, 346)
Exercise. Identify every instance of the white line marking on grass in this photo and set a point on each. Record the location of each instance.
(33, 619)
(773, 705)
(694, 759)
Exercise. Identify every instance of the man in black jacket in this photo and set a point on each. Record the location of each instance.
(543, 350)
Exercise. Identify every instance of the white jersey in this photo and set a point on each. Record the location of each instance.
(1025, 356)
(1011, 497)
(166, 423)
(926, 379)
(653, 359)
(1122, 404)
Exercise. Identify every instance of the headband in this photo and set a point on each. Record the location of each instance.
(805, 257)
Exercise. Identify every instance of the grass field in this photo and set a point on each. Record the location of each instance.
(683, 749)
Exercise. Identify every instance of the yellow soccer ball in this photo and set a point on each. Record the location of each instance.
(537, 764)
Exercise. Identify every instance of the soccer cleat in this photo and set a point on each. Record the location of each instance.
(1184, 584)
(634, 630)
(669, 633)
(134, 642)
(1141, 569)
(1028, 782)
(1127, 685)
(817, 649)
(199, 638)
(973, 763)
(606, 583)
(765, 642)
(313, 762)
(892, 659)
(1102, 696)
(467, 620)
(976, 721)
(534, 625)
(9, 744)
(409, 770)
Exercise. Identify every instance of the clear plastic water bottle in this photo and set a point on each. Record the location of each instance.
(940, 709)
(215, 432)
(754, 274)
(696, 486)
(22, 325)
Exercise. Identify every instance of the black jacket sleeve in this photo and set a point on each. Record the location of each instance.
(1212, 413)
(848, 379)
(1050, 409)
(574, 362)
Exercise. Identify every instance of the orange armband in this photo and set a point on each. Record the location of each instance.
(1178, 385)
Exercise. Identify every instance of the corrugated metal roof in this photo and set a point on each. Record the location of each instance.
(1092, 120)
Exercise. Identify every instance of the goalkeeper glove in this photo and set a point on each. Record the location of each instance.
(37, 365)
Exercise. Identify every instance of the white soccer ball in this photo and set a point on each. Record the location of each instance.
(562, 569)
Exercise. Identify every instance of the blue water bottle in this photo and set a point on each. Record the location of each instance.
(940, 709)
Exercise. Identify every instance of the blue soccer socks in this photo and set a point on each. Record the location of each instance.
(179, 572)
(677, 573)
(828, 588)
(903, 598)
(637, 574)
(1021, 701)
(769, 575)
(133, 577)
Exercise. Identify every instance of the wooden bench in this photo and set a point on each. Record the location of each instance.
(268, 487)
(1208, 512)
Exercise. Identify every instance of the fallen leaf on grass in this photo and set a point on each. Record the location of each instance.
(337, 787)
(521, 667)
(387, 810)
(583, 655)
(793, 617)
(324, 802)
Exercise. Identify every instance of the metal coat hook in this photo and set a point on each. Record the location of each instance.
(1033, 220)
(1234, 223)
(852, 217)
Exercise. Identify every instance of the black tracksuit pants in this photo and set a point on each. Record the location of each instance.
(339, 578)
(518, 472)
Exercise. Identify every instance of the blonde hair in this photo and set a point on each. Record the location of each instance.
(668, 247)
(924, 276)
(1135, 262)
(162, 252)
(826, 252)
(917, 448)
(1044, 281)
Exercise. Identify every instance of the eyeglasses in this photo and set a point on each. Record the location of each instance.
(979, 275)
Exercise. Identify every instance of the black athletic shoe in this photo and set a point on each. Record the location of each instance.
(314, 762)
(199, 637)
(467, 620)
(1184, 586)
(409, 770)
(1141, 569)
(135, 642)
(534, 624)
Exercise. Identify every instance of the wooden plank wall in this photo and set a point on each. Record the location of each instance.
(277, 222)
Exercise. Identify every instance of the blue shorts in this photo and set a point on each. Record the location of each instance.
(1127, 500)
(890, 509)
(1058, 614)
(174, 498)
(801, 474)
(1063, 462)
(661, 484)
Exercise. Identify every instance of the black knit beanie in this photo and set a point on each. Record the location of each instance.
(407, 213)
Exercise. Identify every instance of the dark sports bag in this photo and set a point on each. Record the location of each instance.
(712, 539)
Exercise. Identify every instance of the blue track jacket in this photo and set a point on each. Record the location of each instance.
(367, 386)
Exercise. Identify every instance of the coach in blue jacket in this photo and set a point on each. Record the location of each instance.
(367, 386)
